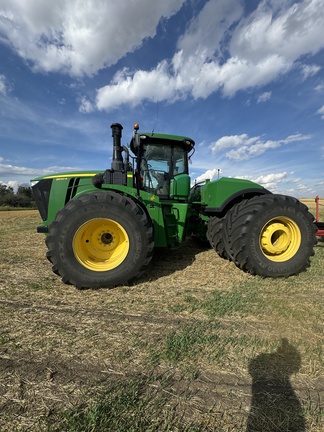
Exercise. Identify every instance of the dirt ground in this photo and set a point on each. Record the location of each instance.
(60, 347)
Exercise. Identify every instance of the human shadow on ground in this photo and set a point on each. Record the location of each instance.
(275, 406)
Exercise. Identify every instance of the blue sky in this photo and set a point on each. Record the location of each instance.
(243, 78)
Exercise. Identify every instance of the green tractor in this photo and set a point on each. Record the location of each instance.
(102, 228)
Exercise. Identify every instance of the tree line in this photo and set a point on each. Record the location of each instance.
(22, 198)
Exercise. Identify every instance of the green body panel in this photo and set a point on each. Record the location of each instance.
(180, 187)
(215, 194)
(64, 185)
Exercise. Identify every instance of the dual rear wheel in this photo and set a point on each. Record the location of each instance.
(268, 235)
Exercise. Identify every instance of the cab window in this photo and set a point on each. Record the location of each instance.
(159, 164)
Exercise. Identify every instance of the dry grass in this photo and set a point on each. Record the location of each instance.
(185, 344)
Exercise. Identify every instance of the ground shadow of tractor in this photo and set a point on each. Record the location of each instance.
(167, 261)
(274, 405)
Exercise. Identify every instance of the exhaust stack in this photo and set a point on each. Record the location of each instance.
(117, 163)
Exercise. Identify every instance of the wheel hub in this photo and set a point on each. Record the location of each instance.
(100, 244)
(107, 238)
(280, 239)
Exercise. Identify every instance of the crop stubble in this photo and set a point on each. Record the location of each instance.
(190, 328)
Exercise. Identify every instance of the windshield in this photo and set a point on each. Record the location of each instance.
(159, 164)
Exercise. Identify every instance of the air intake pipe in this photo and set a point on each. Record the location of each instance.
(117, 163)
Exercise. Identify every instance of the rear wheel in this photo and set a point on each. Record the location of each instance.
(219, 233)
(215, 234)
(100, 240)
(272, 236)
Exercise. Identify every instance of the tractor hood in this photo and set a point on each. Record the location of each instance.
(53, 191)
(64, 175)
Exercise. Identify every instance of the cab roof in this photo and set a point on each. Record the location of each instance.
(164, 139)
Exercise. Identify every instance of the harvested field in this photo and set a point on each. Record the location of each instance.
(194, 345)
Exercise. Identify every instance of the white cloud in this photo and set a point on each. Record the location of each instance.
(85, 106)
(222, 51)
(296, 180)
(264, 97)
(301, 187)
(321, 112)
(206, 31)
(153, 85)
(233, 141)
(270, 181)
(3, 85)
(79, 36)
(290, 31)
(211, 174)
(243, 147)
(21, 171)
(14, 184)
(6, 169)
(310, 70)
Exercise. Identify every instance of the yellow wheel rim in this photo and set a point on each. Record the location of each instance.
(280, 239)
(100, 244)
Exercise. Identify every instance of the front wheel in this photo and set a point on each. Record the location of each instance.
(272, 236)
(100, 240)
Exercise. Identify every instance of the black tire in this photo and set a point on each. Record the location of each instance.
(100, 240)
(215, 235)
(272, 236)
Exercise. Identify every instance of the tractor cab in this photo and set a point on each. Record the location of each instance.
(162, 163)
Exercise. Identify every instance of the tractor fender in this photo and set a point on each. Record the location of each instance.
(152, 208)
(123, 190)
(219, 196)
